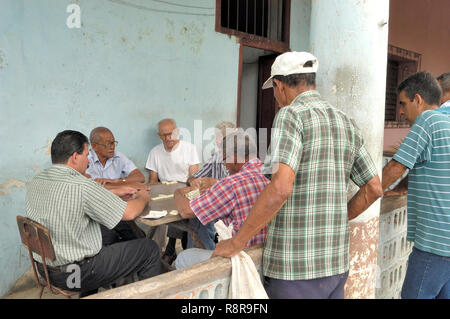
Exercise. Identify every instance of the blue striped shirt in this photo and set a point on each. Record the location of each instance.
(426, 152)
(213, 167)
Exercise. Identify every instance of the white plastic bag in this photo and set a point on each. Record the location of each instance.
(245, 280)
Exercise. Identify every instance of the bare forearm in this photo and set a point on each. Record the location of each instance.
(391, 173)
(135, 207)
(365, 197)
(135, 177)
(182, 203)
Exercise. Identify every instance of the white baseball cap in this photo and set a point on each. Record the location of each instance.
(291, 63)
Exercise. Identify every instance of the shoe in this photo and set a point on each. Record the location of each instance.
(169, 259)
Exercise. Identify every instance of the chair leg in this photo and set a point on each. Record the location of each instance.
(42, 290)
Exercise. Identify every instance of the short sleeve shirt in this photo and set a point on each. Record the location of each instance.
(114, 168)
(426, 152)
(213, 167)
(232, 198)
(172, 166)
(309, 237)
(72, 207)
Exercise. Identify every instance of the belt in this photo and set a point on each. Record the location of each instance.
(63, 268)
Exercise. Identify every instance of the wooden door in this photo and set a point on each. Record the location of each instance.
(267, 106)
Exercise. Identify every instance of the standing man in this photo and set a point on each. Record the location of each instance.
(444, 82)
(73, 207)
(315, 151)
(113, 169)
(173, 160)
(426, 152)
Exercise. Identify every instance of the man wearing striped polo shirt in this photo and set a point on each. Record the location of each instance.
(426, 152)
(73, 207)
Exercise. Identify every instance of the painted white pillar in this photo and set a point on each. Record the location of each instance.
(350, 39)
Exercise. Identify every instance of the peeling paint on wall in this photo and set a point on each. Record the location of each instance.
(7, 187)
(46, 147)
(363, 274)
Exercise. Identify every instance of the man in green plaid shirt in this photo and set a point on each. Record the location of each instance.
(315, 151)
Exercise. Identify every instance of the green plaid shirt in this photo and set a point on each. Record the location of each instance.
(72, 207)
(309, 236)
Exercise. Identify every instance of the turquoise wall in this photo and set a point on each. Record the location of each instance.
(130, 64)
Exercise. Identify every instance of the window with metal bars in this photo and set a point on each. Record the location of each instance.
(259, 23)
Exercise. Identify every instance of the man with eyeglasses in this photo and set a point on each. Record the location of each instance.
(172, 160)
(113, 170)
(108, 166)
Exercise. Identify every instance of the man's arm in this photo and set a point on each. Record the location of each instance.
(193, 169)
(135, 176)
(366, 195)
(392, 172)
(182, 202)
(153, 177)
(269, 202)
(135, 207)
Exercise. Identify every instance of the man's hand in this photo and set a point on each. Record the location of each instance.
(203, 183)
(104, 181)
(124, 192)
(227, 248)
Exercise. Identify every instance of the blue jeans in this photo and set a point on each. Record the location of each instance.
(427, 276)
(206, 234)
(192, 256)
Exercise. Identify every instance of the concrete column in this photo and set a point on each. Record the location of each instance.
(350, 38)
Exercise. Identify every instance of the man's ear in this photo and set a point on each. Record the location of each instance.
(419, 101)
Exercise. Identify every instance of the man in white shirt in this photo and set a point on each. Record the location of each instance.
(173, 160)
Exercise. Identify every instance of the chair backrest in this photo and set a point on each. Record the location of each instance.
(36, 237)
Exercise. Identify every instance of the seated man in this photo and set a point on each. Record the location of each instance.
(113, 169)
(108, 166)
(230, 199)
(73, 207)
(173, 160)
(211, 171)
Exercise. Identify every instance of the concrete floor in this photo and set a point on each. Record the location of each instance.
(26, 287)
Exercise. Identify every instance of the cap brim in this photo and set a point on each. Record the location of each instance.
(268, 84)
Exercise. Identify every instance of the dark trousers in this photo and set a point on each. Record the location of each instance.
(123, 231)
(139, 256)
(321, 288)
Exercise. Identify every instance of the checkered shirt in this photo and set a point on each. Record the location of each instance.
(232, 198)
(309, 236)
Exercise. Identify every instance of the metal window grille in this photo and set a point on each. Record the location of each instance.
(263, 18)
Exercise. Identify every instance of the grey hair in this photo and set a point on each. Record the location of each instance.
(240, 144)
(444, 80)
(225, 127)
(95, 133)
(167, 120)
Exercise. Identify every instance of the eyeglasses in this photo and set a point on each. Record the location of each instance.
(109, 145)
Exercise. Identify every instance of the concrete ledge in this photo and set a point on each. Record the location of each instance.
(196, 281)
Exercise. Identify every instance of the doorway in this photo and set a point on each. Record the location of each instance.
(257, 106)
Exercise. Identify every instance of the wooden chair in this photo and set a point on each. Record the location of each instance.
(36, 238)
